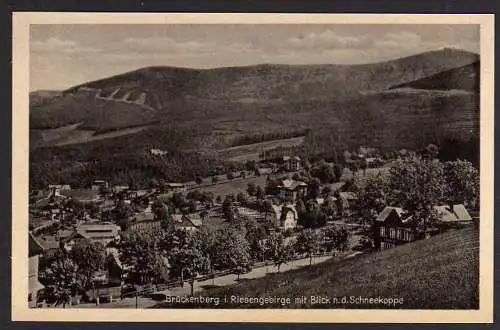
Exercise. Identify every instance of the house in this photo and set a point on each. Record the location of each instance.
(176, 187)
(285, 216)
(392, 228)
(55, 189)
(348, 201)
(104, 233)
(455, 214)
(35, 249)
(190, 222)
(99, 184)
(119, 189)
(290, 190)
(291, 163)
(158, 152)
(249, 213)
(144, 221)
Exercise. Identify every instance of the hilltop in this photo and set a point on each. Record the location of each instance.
(388, 105)
(438, 273)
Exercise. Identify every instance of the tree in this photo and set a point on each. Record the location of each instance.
(198, 180)
(353, 166)
(462, 183)
(339, 204)
(160, 210)
(192, 206)
(189, 260)
(233, 251)
(89, 257)
(363, 164)
(328, 207)
(257, 171)
(251, 165)
(255, 234)
(203, 214)
(314, 188)
(336, 239)
(228, 208)
(207, 240)
(325, 173)
(272, 187)
(259, 193)
(277, 250)
(326, 191)
(230, 176)
(243, 174)
(62, 274)
(431, 152)
(417, 185)
(301, 208)
(314, 217)
(215, 179)
(141, 252)
(308, 242)
(267, 207)
(372, 197)
(121, 211)
(251, 189)
(178, 200)
(241, 198)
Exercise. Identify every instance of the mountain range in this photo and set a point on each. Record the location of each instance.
(402, 103)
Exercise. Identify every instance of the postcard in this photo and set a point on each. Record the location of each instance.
(252, 167)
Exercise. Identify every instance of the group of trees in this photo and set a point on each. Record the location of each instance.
(417, 184)
(186, 255)
(71, 273)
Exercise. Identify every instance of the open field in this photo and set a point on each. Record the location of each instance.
(439, 273)
(251, 151)
(235, 186)
(71, 134)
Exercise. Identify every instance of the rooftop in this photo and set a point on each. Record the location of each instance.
(292, 184)
(458, 213)
(387, 211)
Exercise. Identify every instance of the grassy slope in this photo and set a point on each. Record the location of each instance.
(464, 78)
(439, 273)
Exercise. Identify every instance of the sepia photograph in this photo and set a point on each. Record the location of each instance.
(170, 165)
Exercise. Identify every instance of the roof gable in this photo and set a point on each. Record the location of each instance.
(397, 212)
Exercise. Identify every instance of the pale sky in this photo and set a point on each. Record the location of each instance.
(62, 56)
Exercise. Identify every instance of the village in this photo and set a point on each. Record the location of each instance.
(114, 242)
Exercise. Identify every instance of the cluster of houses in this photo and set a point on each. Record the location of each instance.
(392, 226)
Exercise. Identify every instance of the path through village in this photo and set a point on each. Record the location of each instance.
(199, 286)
